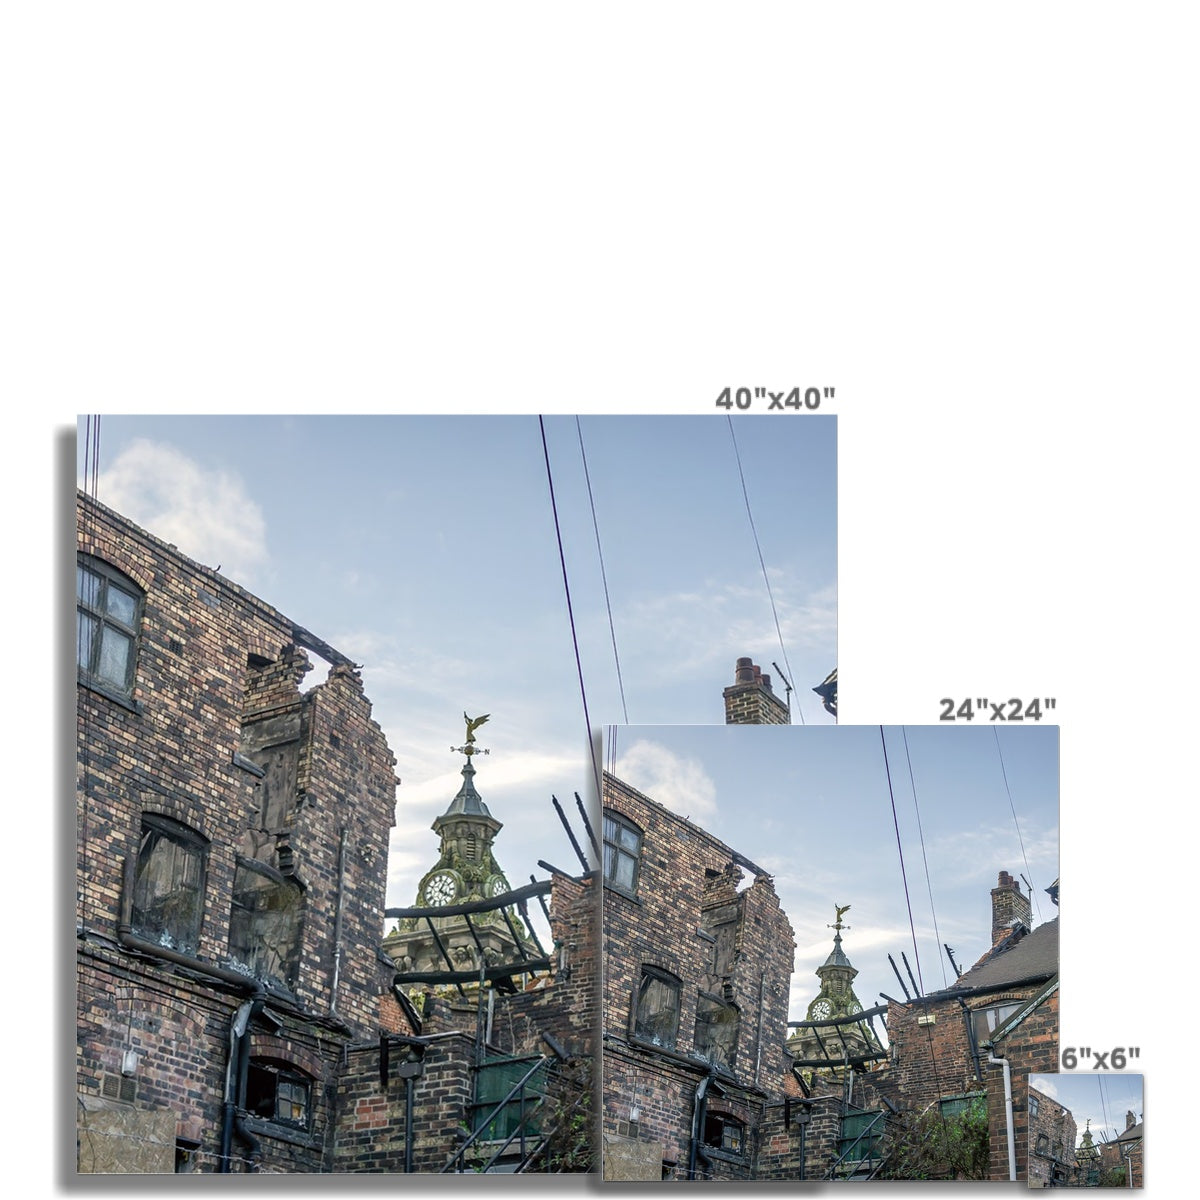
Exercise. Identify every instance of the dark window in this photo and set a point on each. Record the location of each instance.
(168, 894)
(1043, 1143)
(108, 613)
(1033, 1106)
(622, 850)
(277, 1091)
(265, 923)
(657, 1016)
(724, 1133)
(716, 1030)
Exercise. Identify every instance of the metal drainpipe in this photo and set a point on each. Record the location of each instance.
(1008, 1113)
(337, 924)
(699, 1104)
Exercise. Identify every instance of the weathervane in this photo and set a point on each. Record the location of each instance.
(844, 908)
(469, 747)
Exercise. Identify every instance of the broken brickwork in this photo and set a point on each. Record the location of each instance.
(232, 837)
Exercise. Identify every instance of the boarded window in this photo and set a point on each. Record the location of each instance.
(657, 1017)
(265, 923)
(716, 1030)
(168, 894)
(108, 613)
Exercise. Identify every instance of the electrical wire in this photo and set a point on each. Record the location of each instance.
(603, 576)
(1012, 809)
(570, 611)
(761, 563)
(903, 874)
(928, 880)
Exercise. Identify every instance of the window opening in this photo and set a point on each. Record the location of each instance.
(716, 1034)
(265, 923)
(108, 619)
(657, 1017)
(278, 1092)
(168, 895)
(724, 1133)
(622, 851)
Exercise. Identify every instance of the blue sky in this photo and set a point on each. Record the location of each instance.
(813, 807)
(425, 548)
(1103, 1097)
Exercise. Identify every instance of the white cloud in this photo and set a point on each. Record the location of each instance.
(680, 784)
(207, 514)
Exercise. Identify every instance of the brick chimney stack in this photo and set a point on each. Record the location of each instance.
(750, 700)
(1010, 907)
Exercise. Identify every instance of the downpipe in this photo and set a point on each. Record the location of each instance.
(1008, 1113)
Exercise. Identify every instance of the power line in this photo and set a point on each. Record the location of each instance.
(1012, 809)
(603, 577)
(570, 611)
(761, 563)
(928, 881)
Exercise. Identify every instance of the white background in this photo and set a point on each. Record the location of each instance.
(977, 223)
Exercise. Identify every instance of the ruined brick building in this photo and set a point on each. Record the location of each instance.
(235, 1009)
(701, 1077)
(696, 972)
(1050, 1136)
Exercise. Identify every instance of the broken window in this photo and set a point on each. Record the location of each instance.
(716, 1030)
(1033, 1106)
(987, 1020)
(657, 1016)
(277, 1091)
(265, 922)
(622, 850)
(168, 892)
(108, 618)
(724, 1133)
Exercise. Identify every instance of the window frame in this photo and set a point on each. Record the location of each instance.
(284, 1074)
(622, 851)
(643, 1022)
(194, 847)
(710, 1009)
(731, 1131)
(244, 921)
(95, 611)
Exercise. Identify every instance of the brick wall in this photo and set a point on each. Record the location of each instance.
(213, 663)
(750, 700)
(691, 917)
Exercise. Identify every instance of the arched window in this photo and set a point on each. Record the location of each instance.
(622, 852)
(168, 894)
(108, 607)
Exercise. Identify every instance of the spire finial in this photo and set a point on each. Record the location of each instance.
(840, 909)
(468, 747)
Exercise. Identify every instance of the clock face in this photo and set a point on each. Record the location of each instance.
(441, 888)
(821, 1010)
(853, 1007)
(497, 885)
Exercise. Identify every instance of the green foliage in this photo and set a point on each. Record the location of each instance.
(933, 1146)
(572, 1146)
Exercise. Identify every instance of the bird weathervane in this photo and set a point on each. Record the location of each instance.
(840, 909)
(473, 723)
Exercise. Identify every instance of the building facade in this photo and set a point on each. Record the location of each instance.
(236, 1011)
(232, 841)
(696, 973)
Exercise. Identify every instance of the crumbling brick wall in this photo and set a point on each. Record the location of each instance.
(690, 917)
(213, 663)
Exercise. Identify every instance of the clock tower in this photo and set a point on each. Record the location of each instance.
(835, 999)
(466, 872)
